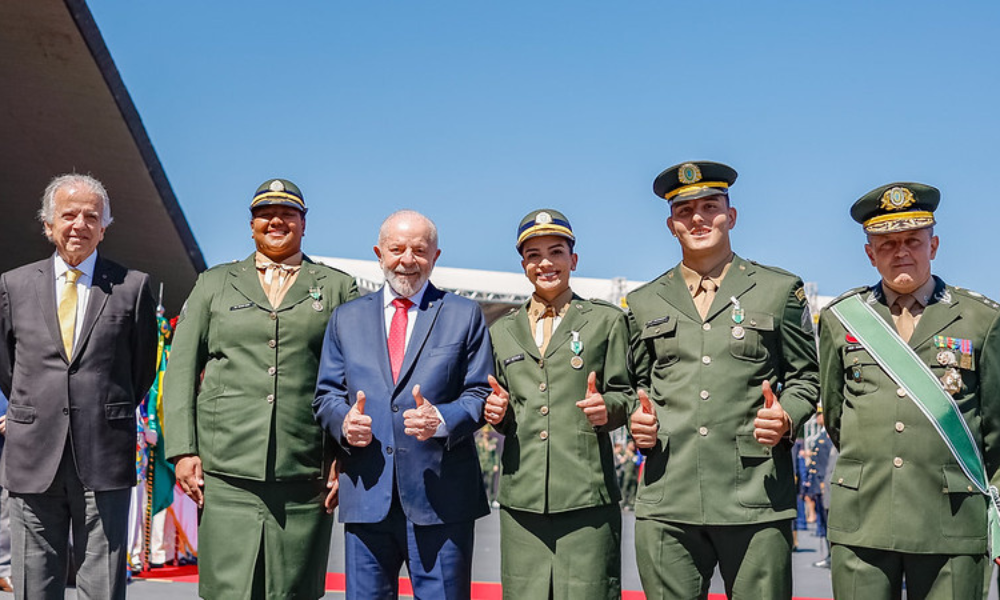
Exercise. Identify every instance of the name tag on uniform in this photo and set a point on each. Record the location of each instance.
(241, 306)
(513, 359)
(659, 321)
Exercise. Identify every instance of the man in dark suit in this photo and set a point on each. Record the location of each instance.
(402, 384)
(77, 353)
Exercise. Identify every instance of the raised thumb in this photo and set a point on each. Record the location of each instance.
(417, 396)
(497, 388)
(769, 396)
(647, 406)
(592, 384)
(360, 405)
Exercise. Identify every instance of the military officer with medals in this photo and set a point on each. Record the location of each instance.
(894, 356)
(724, 361)
(561, 386)
(246, 447)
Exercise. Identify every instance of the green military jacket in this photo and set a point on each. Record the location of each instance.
(704, 379)
(553, 459)
(896, 485)
(251, 416)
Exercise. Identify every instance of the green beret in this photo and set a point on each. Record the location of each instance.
(691, 180)
(900, 206)
(544, 221)
(279, 192)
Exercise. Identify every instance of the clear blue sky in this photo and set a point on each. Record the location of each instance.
(476, 112)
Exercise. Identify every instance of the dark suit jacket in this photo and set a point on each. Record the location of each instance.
(89, 401)
(449, 355)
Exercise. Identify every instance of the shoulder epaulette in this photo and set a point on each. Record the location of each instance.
(977, 296)
(773, 269)
(848, 293)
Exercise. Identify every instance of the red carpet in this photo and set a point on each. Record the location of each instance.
(481, 590)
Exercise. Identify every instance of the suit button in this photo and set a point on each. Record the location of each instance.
(73, 370)
(901, 392)
(897, 462)
(705, 395)
(706, 360)
(274, 316)
(703, 431)
(544, 435)
(541, 363)
(707, 326)
(270, 398)
(65, 411)
(544, 410)
(271, 371)
(388, 449)
(542, 387)
(272, 343)
(395, 408)
(900, 426)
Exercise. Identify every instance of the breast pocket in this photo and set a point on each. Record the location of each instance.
(660, 336)
(751, 338)
(861, 372)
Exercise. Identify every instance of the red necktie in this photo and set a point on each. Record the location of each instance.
(397, 335)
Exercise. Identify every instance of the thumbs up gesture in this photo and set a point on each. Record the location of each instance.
(593, 403)
(496, 402)
(421, 422)
(643, 423)
(357, 427)
(772, 422)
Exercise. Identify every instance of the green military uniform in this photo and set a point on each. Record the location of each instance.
(709, 492)
(560, 520)
(900, 502)
(250, 421)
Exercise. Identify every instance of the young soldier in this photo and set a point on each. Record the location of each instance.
(902, 507)
(562, 386)
(715, 341)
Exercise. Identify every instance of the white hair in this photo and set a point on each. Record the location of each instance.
(383, 231)
(47, 212)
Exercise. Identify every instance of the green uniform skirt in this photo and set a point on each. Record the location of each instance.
(263, 539)
(573, 555)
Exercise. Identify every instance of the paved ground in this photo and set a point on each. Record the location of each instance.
(809, 582)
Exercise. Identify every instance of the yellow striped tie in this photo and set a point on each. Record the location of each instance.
(67, 310)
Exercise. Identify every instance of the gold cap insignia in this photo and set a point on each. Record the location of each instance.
(689, 173)
(543, 218)
(276, 186)
(897, 198)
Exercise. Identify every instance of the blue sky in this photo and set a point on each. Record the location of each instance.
(477, 112)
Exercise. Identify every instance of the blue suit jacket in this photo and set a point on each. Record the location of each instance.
(449, 356)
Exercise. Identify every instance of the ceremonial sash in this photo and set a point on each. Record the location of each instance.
(905, 368)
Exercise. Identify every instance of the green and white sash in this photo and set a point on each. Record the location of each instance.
(905, 368)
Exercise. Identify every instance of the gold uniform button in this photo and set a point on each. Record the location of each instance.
(542, 387)
(274, 316)
(840, 480)
(544, 435)
(271, 371)
(705, 395)
(270, 398)
(544, 410)
(272, 343)
(706, 326)
(897, 462)
(856, 361)
(706, 360)
(900, 426)
(901, 392)
(703, 430)
(969, 488)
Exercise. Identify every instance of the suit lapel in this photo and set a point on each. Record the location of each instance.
(307, 280)
(940, 313)
(244, 278)
(100, 290)
(522, 334)
(45, 287)
(738, 281)
(575, 319)
(373, 328)
(675, 292)
(427, 314)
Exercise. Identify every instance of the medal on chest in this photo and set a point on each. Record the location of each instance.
(738, 315)
(316, 294)
(576, 345)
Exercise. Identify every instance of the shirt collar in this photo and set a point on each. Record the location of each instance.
(922, 294)
(294, 260)
(390, 295)
(716, 274)
(86, 267)
(536, 306)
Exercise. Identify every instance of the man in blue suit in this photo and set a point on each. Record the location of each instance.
(402, 384)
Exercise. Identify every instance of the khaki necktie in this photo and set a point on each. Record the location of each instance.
(703, 300)
(548, 319)
(277, 287)
(67, 310)
(905, 321)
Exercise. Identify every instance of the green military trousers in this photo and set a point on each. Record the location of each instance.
(263, 539)
(870, 574)
(676, 561)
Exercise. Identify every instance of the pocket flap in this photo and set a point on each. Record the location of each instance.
(748, 447)
(847, 473)
(658, 327)
(21, 414)
(759, 321)
(119, 410)
(956, 481)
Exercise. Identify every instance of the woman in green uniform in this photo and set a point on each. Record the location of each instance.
(244, 441)
(562, 386)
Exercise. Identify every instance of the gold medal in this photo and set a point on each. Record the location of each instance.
(576, 362)
(738, 332)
